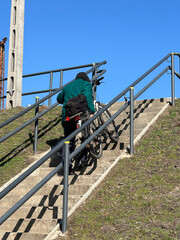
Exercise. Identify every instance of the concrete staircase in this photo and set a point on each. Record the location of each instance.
(38, 218)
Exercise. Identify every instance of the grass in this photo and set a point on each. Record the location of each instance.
(140, 198)
(17, 152)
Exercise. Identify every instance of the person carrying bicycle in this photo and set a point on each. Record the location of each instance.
(80, 87)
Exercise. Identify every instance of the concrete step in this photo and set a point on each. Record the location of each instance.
(140, 106)
(31, 181)
(26, 225)
(38, 200)
(36, 212)
(142, 103)
(55, 190)
(22, 236)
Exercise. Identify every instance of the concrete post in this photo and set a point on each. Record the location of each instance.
(15, 63)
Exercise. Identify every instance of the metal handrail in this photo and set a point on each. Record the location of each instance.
(58, 146)
(53, 71)
(73, 154)
(39, 115)
(47, 97)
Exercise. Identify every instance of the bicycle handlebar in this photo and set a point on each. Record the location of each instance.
(97, 81)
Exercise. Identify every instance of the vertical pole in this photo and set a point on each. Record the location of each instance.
(131, 120)
(94, 85)
(65, 192)
(172, 79)
(36, 127)
(61, 78)
(50, 87)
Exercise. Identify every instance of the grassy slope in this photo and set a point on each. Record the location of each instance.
(17, 152)
(140, 197)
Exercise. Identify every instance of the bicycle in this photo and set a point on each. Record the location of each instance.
(94, 147)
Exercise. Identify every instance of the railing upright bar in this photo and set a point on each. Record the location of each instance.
(172, 79)
(65, 192)
(61, 78)
(94, 73)
(131, 120)
(36, 127)
(50, 87)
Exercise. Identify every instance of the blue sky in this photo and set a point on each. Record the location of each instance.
(130, 35)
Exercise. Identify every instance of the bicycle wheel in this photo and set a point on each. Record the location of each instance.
(111, 128)
(94, 146)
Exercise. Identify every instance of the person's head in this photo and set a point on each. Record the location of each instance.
(83, 76)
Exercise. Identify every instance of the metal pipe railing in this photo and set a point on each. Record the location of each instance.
(131, 120)
(177, 74)
(39, 115)
(46, 97)
(151, 83)
(36, 127)
(65, 190)
(84, 125)
(73, 154)
(30, 194)
(59, 167)
(56, 70)
(48, 155)
(50, 87)
(66, 69)
(58, 146)
(27, 123)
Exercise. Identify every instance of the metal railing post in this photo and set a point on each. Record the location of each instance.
(65, 192)
(131, 120)
(94, 73)
(172, 79)
(61, 78)
(50, 87)
(36, 127)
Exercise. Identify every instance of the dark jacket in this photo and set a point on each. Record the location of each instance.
(73, 89)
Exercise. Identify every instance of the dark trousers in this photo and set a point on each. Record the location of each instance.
(69, 127)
